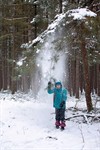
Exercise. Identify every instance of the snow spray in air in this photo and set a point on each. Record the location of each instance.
(52, 65)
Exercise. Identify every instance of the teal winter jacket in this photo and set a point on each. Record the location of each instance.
(59, 96)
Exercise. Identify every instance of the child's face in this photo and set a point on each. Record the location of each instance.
(58, 86)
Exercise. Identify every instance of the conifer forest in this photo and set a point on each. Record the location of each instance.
(25, 28)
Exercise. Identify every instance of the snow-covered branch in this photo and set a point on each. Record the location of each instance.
(81, 13)
(86, 117)
(77, 14)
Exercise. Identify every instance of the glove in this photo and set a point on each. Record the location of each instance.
(49, 85)
(62, 104)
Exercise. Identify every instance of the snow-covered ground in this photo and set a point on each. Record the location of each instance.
(28, 124)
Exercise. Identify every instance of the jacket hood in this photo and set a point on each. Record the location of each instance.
(58, 83)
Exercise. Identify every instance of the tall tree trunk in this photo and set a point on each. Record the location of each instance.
(69, 86)
(60, 6)
(0, 75)
(86, 69)
(35, 32)
(81, 78)
(98, 79)
(95, 78)
(74, 77)
(77, 78)
(4, 65)
(13, 80)
(92, 79)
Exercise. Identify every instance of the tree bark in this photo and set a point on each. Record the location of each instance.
(69, 86)
(74, 77)
(98, 79)
(81, 79)
(92, 79)
(60, 6)
(95, 78)
(77, 78)
(86, 69)
(35, 9)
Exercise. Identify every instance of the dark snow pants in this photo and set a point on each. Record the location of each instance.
(60, 114)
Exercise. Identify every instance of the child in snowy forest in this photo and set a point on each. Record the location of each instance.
(59, 103)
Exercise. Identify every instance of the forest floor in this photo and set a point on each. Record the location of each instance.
(28, 124)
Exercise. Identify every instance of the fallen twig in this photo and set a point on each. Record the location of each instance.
(85, 116)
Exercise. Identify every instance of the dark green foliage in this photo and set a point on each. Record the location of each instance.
(16, 29)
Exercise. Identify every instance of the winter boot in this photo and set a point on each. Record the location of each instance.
(62, 125)
(57, 124)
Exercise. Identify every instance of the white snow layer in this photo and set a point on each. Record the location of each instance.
(56, 22)
(20, 62)
(28, 124)
(81, 13)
